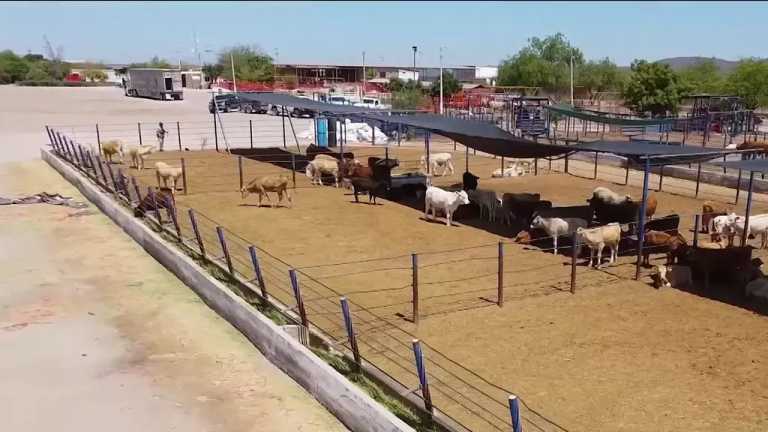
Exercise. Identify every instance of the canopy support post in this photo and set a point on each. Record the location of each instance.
(747, 210)
(466, 159)
(641, 218)
(426, 150)
(738, 187)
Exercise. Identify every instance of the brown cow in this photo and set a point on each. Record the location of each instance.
(674, 245)
(709, 211)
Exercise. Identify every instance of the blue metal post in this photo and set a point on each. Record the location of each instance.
(641, 217)
(257, 270)
(514, 412)
(299, 298)
(350, 330)
(422, 373)
(747, 210)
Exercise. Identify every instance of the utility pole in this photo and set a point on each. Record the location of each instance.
(441, 80)
(415, 48)
(234, 80)
(572, 80)
(364, 75)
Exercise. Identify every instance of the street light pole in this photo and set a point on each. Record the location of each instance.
(234, 80)
(572, 80)
(441, 80)
(364, 75)
(415, 48)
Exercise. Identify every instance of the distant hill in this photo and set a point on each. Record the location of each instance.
(678, 63)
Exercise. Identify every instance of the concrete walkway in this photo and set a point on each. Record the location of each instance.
(95, 335)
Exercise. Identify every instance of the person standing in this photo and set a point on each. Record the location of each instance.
(161, 134)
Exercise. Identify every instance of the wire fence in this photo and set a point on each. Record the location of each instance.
(419, 285)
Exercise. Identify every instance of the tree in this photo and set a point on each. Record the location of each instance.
(599, 76)
(155, 62)
(395, 84)
(450, 86)
(704, 77)
(408, 98)
(37, 72)
(12, 67)
(543, 63)
(654, 88)
(251, 64)
(750, 81)
(95, 75)
(371, 73)
(212, 71)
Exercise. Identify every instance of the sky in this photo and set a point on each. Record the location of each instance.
(470, 33)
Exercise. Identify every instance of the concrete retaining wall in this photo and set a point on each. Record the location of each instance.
(347, 402)
(716, 178)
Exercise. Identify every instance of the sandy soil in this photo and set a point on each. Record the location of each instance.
(126, 349)
(618, 355)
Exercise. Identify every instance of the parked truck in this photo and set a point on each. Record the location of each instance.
(163, 84)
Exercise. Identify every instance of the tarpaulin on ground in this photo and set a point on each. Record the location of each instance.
(608, 118)
(659, 154)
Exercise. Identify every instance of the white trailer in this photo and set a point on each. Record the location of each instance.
(162, 84)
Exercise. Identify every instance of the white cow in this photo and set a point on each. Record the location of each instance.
(447, 201)
(608, 196)
(444, 160)
(554, 227)
(513, 170)
(318, 167)
(672, 276)
(600, 237)
(758, 224)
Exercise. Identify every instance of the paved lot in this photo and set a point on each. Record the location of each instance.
(95, 334)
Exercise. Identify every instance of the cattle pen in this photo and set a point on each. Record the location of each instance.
(493, 318)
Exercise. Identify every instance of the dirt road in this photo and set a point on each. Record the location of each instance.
(96, 335)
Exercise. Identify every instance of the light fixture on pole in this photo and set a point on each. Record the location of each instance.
(441, 80)
(415, 48)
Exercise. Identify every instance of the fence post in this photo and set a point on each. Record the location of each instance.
(184, 175)
(514, 412)
(574, 256)
(698, 179)
(350, 331)
(215, 128)
(240, 171)
(153, 197)
(198, 237)
(98, 137)
(136, 188)
(138, 124)
(172, 213)
(178, 134)
(250, 131)
(594, 176)
(566, 163)
(422, 373)
(696, 229)
(82, 157)
(121, 183)
(535, 166)
(738, 187)
(293, 169)
(48, 131)
(62, 149)
(112, 177)
(661, 177)
(501, 275)
(415, 286)
(223, 241)
(101, 170)
(626, 174)
(299, 298)
(466, 159)
(285, 145)
(257, 271)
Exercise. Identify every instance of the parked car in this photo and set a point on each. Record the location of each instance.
(231, 102)
(369, 102)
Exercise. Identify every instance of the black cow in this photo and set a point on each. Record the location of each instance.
(469, 181)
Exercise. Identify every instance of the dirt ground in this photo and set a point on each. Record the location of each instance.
(617, 355)
(101, 337)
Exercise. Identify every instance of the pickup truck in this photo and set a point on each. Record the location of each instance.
(374, 103)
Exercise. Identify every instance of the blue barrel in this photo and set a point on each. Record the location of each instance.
(321, 131)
